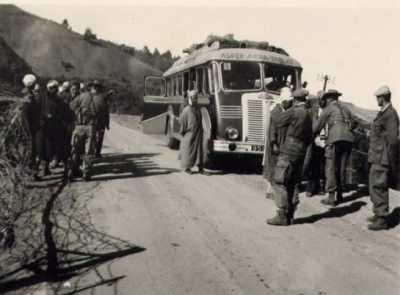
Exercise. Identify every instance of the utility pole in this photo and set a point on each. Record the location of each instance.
(325, 78)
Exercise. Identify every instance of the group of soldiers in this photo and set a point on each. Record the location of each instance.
(312, 142)
(66, 123)
(297, 135)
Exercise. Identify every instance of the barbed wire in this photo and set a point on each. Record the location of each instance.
(45, 228)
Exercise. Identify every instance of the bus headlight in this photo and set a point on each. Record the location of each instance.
(232, 133)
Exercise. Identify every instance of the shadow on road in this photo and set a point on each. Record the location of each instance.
(394, 218)
(81, 264)
(57, 240)
(332, 213)
(120, 166)
(234, 164)
(360, 193)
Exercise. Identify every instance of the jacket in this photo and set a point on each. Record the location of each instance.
(84, 109)
(339, 120)
(33, 110)
(276, 136)
(383, 140)
(102, 110)
(298, 122)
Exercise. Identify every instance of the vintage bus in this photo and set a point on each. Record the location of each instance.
(232, 78)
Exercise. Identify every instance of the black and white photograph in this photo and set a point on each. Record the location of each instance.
(200, 147)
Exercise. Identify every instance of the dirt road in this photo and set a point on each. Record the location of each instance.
(207, 234)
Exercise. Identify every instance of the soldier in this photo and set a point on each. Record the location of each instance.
(383, 158)
(84, 134)
(338, 145)
(100, 99)
(288, 171)
(274, 140)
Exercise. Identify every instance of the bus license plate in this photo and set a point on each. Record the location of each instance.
(257, 148)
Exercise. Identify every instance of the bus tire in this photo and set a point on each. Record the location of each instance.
(171, 141)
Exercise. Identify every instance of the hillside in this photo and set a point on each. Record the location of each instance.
(12, 70)
(47, 45)
(54, 51)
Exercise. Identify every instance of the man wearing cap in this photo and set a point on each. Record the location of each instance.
(383, 158)
(288, 171)
(339, 144)
(192, 147)
(83, 137)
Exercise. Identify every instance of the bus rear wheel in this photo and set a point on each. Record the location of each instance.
(171, 141)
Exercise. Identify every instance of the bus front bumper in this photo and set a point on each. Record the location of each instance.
(237, 147)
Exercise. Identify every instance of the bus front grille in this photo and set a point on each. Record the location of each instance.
(254, 119)
(231, 112)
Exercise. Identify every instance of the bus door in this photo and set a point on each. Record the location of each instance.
(154, 97)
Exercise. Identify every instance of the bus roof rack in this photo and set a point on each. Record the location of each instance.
(228, 41)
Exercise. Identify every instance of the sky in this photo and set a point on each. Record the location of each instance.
(356, 42)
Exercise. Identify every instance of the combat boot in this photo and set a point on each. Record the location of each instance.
(380, 224)
(280, 219)
(330, 200)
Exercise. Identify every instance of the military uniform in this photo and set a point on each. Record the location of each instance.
(275, 139)
(102, 120)
(383, 158)
(83, 136)
(288, 171)
(338, 145)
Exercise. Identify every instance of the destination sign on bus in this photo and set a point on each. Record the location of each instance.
(255, 56)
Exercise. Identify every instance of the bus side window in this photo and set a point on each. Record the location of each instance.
(185, 82)
(214, 79)
(199, 81)
(172, 88)
(168, 85)
(192, 79)
(210, 79)
(206, 88)
(180, 85)
(176, 86)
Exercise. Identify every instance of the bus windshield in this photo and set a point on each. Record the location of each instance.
(241, 75)
(277, 77)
